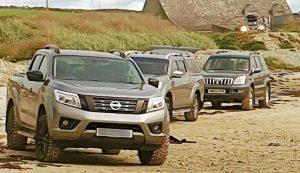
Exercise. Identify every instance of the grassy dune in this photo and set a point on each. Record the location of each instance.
(23, 31)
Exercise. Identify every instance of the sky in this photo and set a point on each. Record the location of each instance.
(97, 4)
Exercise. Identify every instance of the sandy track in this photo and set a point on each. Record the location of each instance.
(228, 140)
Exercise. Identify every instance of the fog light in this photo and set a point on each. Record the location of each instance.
(155, 128)
(65, 123)
(68, 123)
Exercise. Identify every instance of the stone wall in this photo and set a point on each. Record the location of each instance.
(205, 14)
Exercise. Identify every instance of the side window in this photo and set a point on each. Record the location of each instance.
(263, 63)
(194, 66)
(181, 66)
(258, 64)
(36, 63)
(174, 67)
(43, 66)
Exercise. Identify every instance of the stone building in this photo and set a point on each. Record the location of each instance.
(213, 14)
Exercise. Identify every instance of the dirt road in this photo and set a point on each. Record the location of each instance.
(229, 140)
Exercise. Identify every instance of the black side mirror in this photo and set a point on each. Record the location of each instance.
(153, 82)
(36, 76)
(256, 70)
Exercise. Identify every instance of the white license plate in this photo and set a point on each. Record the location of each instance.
(216, 91)
(114, 133)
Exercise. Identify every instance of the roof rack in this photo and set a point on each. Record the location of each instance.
(119, 53)
(133, 52)
(254, 53)
(182, 48)
(222, 51)
(176, 54)
(54, 47)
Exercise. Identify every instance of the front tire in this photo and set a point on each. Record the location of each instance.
(265, 103)
(169, 105)
(46, 148)
(249, 100)
(194, 113)
(155, 157)
(14, 140)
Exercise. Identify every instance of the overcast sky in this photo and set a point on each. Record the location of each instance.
(97, 4)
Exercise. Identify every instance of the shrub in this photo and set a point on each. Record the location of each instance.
(13, 29)
(238, 41)
(277, 63)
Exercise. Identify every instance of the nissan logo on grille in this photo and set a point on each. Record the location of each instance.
(115, 105)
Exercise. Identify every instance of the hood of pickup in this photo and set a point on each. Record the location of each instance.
(107, 89)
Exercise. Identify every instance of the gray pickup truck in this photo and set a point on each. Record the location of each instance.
(237, 77)
(71, 98)
(178, 78)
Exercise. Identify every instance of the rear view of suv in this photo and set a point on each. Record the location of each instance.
(237, 77)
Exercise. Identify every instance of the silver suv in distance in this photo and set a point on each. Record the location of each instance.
(71, 98)
(178, 78)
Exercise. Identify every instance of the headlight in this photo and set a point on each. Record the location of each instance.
(240, 80)
(261, 27)
(67, 98)
(156, 104)
(244, 29)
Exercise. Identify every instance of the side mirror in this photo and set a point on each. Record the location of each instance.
(256, 70)
(153, 82)
(177, 74)
(36, 76)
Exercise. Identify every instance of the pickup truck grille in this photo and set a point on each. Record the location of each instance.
(134, 128)
(218, 81)
(114, 105)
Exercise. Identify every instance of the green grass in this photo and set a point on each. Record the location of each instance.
(4, 12)
(21, 34)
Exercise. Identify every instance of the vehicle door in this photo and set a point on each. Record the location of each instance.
(181, 86)
(29, 98)
(260, 78)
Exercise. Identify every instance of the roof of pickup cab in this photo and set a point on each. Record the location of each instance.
(67, 52)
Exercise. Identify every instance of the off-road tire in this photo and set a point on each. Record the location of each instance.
(216, 104)
(111, 151)
(249, 101)
(194, 113)
(46, 148)
(155, 157)
(265, 103)
(169, 106)
(14, 140)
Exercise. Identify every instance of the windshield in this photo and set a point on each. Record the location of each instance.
(96, 69)
(228, 63)
(152, 66)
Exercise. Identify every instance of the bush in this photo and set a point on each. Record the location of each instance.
(238, 41)
(12, 29)
(277, 63)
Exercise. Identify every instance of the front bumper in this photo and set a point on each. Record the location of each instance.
(234, 93)
(85, 136)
